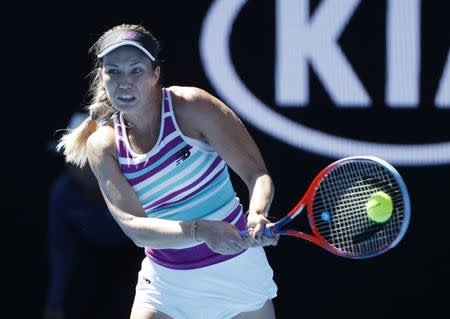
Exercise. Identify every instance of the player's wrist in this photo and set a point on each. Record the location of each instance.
(194, 230)
(256, 212)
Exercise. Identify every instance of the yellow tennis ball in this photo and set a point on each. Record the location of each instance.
(379, 207)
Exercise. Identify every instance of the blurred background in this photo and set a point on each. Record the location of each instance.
(312, 80)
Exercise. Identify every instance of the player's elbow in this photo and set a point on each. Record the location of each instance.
(138, 243)
(136, 239)
(133, 233)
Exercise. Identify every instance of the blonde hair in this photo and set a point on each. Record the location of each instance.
(73, 143)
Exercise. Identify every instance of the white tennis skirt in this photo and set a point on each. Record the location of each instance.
(222, 290)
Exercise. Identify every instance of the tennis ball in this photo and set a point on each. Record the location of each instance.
(379, 207)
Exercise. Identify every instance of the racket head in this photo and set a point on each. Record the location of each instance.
(336, 202)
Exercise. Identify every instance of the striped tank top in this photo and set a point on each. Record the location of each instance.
(180, 178)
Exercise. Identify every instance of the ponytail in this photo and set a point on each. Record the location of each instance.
(74, 142)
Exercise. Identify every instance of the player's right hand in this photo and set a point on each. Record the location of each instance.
(221, 237)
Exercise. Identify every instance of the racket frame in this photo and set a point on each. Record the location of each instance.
(278, 227)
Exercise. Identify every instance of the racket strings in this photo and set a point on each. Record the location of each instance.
(352, 227)
(343, 194)
(354, 223)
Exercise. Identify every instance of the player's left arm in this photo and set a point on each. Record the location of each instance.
(210, 119)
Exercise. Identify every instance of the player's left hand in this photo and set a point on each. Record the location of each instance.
(256, 221)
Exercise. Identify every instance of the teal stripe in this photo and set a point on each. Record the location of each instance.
(202, 209)
(145, 201)
(157, 163)
(188, 162)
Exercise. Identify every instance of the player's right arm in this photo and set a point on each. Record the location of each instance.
(126, 208)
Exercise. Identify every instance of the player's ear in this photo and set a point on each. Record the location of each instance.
(156, 74)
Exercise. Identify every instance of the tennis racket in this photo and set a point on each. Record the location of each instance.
(336, 204)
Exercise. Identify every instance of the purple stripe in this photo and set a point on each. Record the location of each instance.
(193, 193)
(149, 174)
(195, 257)
(195, 183)
(166, 101)
(169, 127)
(151, 160)
(123, 150)
(119, 130)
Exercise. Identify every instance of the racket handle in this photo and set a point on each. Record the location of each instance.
(267, 232)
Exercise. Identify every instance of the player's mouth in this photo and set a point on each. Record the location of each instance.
(126, 98)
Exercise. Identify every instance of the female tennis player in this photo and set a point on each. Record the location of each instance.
(161, 158)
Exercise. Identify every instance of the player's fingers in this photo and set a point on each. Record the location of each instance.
(240, 241)
(258, 231)
(270, 240)
(250, 238)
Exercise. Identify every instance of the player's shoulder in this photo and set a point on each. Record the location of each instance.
(187, 93)
(190, 97)
(193, 100)
(102, 141)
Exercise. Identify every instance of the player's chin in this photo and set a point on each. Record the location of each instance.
(124, 105)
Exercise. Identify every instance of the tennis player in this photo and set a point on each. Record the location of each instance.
(161, 158)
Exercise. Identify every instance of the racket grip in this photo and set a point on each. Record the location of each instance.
(267, 232)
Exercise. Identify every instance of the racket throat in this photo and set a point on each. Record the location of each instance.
(279, 228)
(279, 225)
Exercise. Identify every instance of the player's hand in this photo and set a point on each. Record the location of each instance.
(256, 222)
(220, 237)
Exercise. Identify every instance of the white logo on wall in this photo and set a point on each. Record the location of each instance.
(319, 48)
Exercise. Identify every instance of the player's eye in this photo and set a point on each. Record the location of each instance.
(112, 71)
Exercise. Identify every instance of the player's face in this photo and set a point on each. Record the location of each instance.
(129, 78)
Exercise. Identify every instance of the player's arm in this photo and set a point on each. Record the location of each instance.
(126, 208)
(123, 202)
(218, 125)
